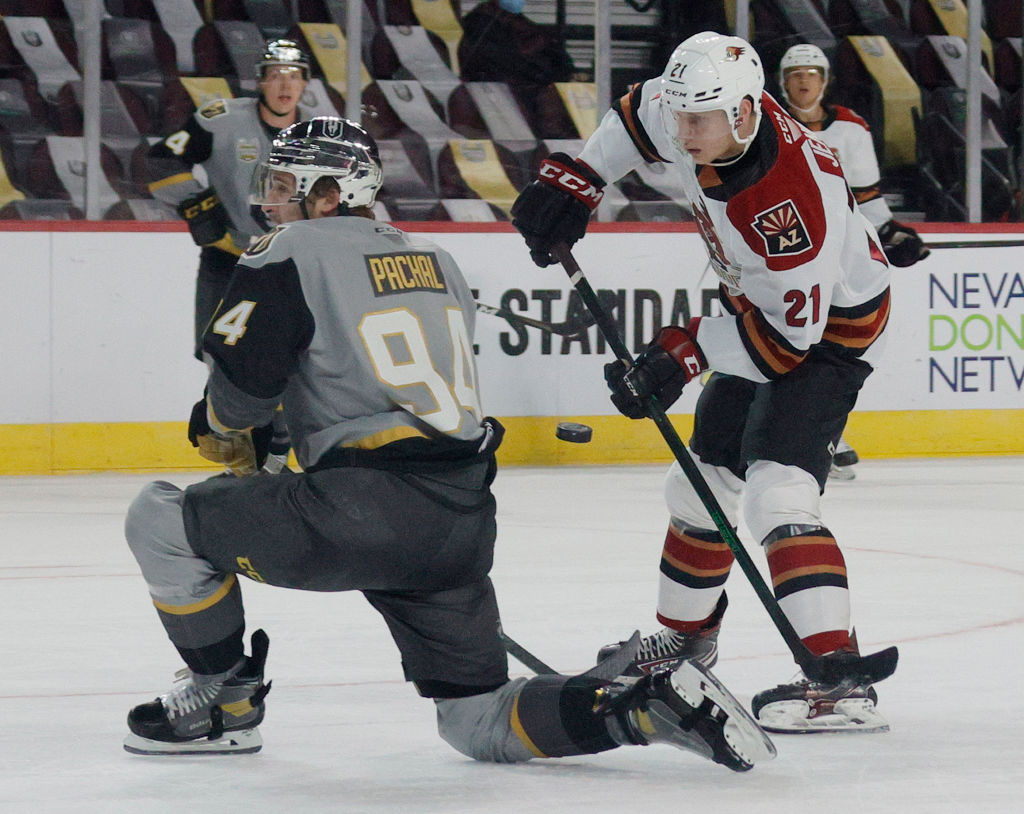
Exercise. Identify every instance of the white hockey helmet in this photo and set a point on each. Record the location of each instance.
(711, 71)
(322, 147)
(803, 55)
(283, 52)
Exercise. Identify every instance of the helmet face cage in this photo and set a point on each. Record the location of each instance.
(322, 147)
(710, 71)
(804, 55)
(283, 52)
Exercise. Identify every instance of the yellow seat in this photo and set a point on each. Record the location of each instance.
(203, 89)
(330, 48)
(478, 163)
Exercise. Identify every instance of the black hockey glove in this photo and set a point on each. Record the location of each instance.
(206, 217)
(664, 367)
(242, 452)
(556, 207)
(901, 244)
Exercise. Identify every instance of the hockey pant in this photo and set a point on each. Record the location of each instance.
(781, 507)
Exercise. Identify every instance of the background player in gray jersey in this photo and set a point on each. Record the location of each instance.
(228, 138)
(365, 335)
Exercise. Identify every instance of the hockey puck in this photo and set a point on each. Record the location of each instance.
(574, 433)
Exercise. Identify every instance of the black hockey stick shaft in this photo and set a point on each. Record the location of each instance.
(814, 667)
(525, 656)
(975, 244)
(567, 328)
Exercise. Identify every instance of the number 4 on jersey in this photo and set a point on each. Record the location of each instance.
(231, 324)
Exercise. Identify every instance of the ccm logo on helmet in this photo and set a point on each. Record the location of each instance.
(559, 175)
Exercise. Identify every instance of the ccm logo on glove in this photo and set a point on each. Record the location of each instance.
(560, 176)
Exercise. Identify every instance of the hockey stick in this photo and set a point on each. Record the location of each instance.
(571, 327)
(827, 669)
(525, 656)
(975, 244)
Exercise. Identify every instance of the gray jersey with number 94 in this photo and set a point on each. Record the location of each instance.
(364, 333)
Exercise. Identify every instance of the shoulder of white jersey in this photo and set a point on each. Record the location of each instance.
(844, 114)
(631, 108)
(782, 216)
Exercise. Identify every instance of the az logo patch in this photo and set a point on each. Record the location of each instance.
(782, 230)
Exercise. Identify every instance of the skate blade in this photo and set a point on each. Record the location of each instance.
(851, 715)
(242, 742)
(743, 734)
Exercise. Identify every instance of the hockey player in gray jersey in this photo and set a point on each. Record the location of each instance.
(228, 138)
(365, 335)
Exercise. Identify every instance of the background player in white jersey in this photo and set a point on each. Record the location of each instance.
(805, 291)
(804, 77)
(228, 138)
(365, 335)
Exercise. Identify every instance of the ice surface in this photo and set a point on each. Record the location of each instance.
(935, 552)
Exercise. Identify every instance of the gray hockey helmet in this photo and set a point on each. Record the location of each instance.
(321, 147)
(283, 52)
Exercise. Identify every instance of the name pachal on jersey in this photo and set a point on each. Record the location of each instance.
(398, 273)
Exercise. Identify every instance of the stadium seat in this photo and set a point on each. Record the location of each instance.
(441, 18)
(203, 89)
(119, 130)
(781, 23)
(947, 19)
(563, 110)
(871, 79)
(56, 171)
(144, 209)
(409, 102)
(848, 17)
(1008, 64)
(414, 57)
(24, 123)
(1003, 18)
(8, 191)
(322, 100)
(469, 167)
(273, 17)
(336, 11)
(329, 48)
(472, 210)
(407, 173)
(36, 209)
(489, 110)
(141, 56)
(49, 64)
(244, 45)
(182, 21)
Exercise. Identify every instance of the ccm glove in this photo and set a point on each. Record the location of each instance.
(206, 217)
(242, 452)
(901, 244)
(556, 207)
(664, 367)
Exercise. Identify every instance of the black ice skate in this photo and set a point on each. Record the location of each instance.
(806, 706)
(843, 461)
(687, 708)
(205, 714)
(670, 648)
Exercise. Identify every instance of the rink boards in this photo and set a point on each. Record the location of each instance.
(98, 375)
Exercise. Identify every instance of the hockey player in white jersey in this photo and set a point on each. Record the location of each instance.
(365, 335)
(804, 77)
(805, 291)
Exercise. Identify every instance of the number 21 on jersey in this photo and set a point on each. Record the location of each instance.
(401, 356)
